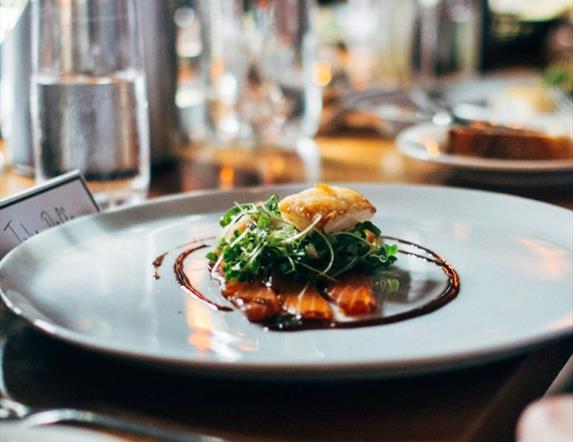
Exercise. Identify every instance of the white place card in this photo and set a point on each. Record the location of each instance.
(59, 200)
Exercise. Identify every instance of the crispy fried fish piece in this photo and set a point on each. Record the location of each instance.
(339, 208)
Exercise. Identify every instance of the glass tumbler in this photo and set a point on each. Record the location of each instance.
(88, 98)
(394, 43)
(257, 66)
(449, 38)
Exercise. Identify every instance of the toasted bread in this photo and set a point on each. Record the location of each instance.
(508, 144)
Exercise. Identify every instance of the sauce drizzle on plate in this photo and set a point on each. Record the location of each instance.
(285, 321)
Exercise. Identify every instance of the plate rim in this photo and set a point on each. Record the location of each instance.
(297, 370)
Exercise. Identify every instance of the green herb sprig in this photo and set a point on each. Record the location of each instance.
(560, 76)
(258, 242)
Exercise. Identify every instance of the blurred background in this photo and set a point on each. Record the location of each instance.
(367, 45)
(361, 68)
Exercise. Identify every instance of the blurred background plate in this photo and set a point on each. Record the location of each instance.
(521, 99)
(425, 142)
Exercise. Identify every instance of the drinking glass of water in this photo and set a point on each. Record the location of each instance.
(10, 12)
(88, 99)
(258, 65)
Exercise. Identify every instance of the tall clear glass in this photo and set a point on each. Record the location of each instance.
(88, 99)
(449, 41)
(257, 63)
(402, 56)
(10, 11)
(392, 43)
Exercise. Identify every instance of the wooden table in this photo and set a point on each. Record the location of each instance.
(473, 404)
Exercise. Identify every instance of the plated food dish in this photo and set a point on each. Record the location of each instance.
(309, 261)
(513, 257)
(509, 124)
(505, 143)
(429, 142)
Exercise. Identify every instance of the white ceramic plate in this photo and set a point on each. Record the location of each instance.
(90, 282)
(24, 432)
(425, 142)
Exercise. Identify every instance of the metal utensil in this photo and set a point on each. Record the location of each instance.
(11, 409)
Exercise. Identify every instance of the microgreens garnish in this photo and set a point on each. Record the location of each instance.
(257, 243)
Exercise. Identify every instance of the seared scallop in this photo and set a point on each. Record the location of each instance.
(332, 208)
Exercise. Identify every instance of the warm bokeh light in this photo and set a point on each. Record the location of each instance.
(217, 69)
(200, 324)
(322, 73)
(552, 261)
(564, 323)
(226, 177)
(462, 230)
(433, 148)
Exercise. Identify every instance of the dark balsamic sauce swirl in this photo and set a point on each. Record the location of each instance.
(285, 322)
(184, 282)
(157, 263)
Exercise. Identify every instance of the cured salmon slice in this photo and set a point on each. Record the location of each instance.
(304, 301)
(353, 294)
(258, 302)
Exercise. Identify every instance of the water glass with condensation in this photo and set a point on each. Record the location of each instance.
(88, 97)
(257, 65)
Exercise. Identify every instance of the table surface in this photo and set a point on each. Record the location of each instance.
(473, 404)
